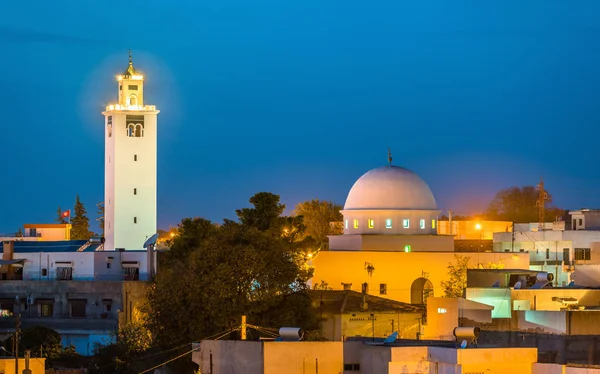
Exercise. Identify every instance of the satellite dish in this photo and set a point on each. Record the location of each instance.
(517, 286)
(151, 241)
(392, 338)
(463, 344)
(496, 284)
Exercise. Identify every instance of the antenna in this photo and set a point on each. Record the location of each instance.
(541, 203)
(389, 155)
(151, 241)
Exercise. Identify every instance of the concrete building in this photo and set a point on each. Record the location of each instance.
(69, 287)
(130, 165)
(48, 231)
(346, 314)
(260, 357)
(391, 244)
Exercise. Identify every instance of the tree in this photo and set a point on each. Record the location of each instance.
(80, 222)
(41, 341)
(216, 274)
(59, 216)
(457, 277)
(320, 218)
(100, 218)
(518, 204)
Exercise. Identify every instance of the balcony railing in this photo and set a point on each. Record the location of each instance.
(37, 276)
(130, 107)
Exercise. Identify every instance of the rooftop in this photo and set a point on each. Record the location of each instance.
(337, 301)
(47, 246)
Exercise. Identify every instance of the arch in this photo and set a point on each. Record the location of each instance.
(132, 100)
(130, 129)
(420, 290)
(139, 131)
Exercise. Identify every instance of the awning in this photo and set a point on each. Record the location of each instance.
(12, 262)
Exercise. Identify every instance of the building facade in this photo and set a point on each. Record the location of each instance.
(130, 165)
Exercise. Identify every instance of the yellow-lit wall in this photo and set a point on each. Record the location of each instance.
(50, 232)
(36, 365)
(473, 229)
(398, 270)
(303, 357)
(415, 243)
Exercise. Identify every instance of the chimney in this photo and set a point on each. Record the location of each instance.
(365, 291)
(8, 248)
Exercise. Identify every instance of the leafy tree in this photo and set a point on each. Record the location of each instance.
(59, 216)
(320, 218)
(126, 352)
(100, 213)
(216, 274)
(518, 204)
(457, 277)
(80, 222)
(41, 341)
(322, 286)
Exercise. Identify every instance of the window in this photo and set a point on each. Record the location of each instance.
(407, 248)
(64, 272)
(134, 219)
(46, 309)
(406, 223)
(44, 272)
(135, 191)
(132, 100)
(547, 253)
(346, 224)
(139, 131)
(383, 289)
(582, 254)
(351, 367)
(442, 310)
(132, 87)
(371, 223)
(77, 308)
(33, 232)
(566, 255)
(134, 157)
(388, 223)
(106, 305)
(108, 265)
(422, 224)
(347, 286)
(130, 130)
(433, 224)
(355, 223)
(120, 87)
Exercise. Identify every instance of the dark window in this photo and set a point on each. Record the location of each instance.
(107, 307)
(64, 273)
(582, 254)
(78, 308)
(134, 219)
(7, 307)
(566, 255)
(352, 367)
(131, 273)
(47, 310)
(132, 87)
(135, 191)
(347, 286)
(44, 272)
(120, 87)
(134, 157)
(547, 253)
(33, 232)
(110, 120)
(383, 289)
(580, 222)
(135, 118)
(108, 265)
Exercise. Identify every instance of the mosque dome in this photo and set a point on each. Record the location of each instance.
(390, 188)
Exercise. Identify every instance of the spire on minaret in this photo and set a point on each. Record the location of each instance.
(389, 155)
(130, 69)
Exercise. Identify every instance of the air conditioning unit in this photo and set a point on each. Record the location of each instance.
(30, 300)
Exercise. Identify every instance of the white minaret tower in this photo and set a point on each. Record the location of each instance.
(130, 165)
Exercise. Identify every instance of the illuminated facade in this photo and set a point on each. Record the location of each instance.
(390, 246)
(130, 165)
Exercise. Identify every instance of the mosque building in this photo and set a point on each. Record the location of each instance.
(390, 245)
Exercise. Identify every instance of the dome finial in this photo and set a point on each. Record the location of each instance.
(130, 59)
(389, 155)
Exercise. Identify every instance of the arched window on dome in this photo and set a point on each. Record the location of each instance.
(371, 223)
(355, 223)
(422, 224)
(388, 223)
(346, 224)
(433, 224)
(406, 223)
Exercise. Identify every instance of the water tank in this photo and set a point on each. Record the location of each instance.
(466, 332)
(291, 333)
(543, 277)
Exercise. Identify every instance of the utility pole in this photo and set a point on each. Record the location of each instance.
(243, 332)
(27, 354)
(16, 340)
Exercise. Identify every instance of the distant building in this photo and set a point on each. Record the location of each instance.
(130, 165)
(48, 231)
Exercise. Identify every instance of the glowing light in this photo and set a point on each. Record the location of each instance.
(388, 223)
(407, 248)
(371, 223)
(433, 224)
(355, 223)
(130, 107)
(478, 226)
(406, 223)
(442, 310)
(133, 77)
(422, 224)
(309, 256)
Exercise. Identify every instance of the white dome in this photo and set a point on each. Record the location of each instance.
(390, 188)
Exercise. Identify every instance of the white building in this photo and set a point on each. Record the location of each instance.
(130, 165)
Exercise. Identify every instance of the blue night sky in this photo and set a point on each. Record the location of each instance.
(300, 98)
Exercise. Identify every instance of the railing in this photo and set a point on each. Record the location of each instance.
(37, 276)
(130, 107)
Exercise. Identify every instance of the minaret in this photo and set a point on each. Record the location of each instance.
(129, 165)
